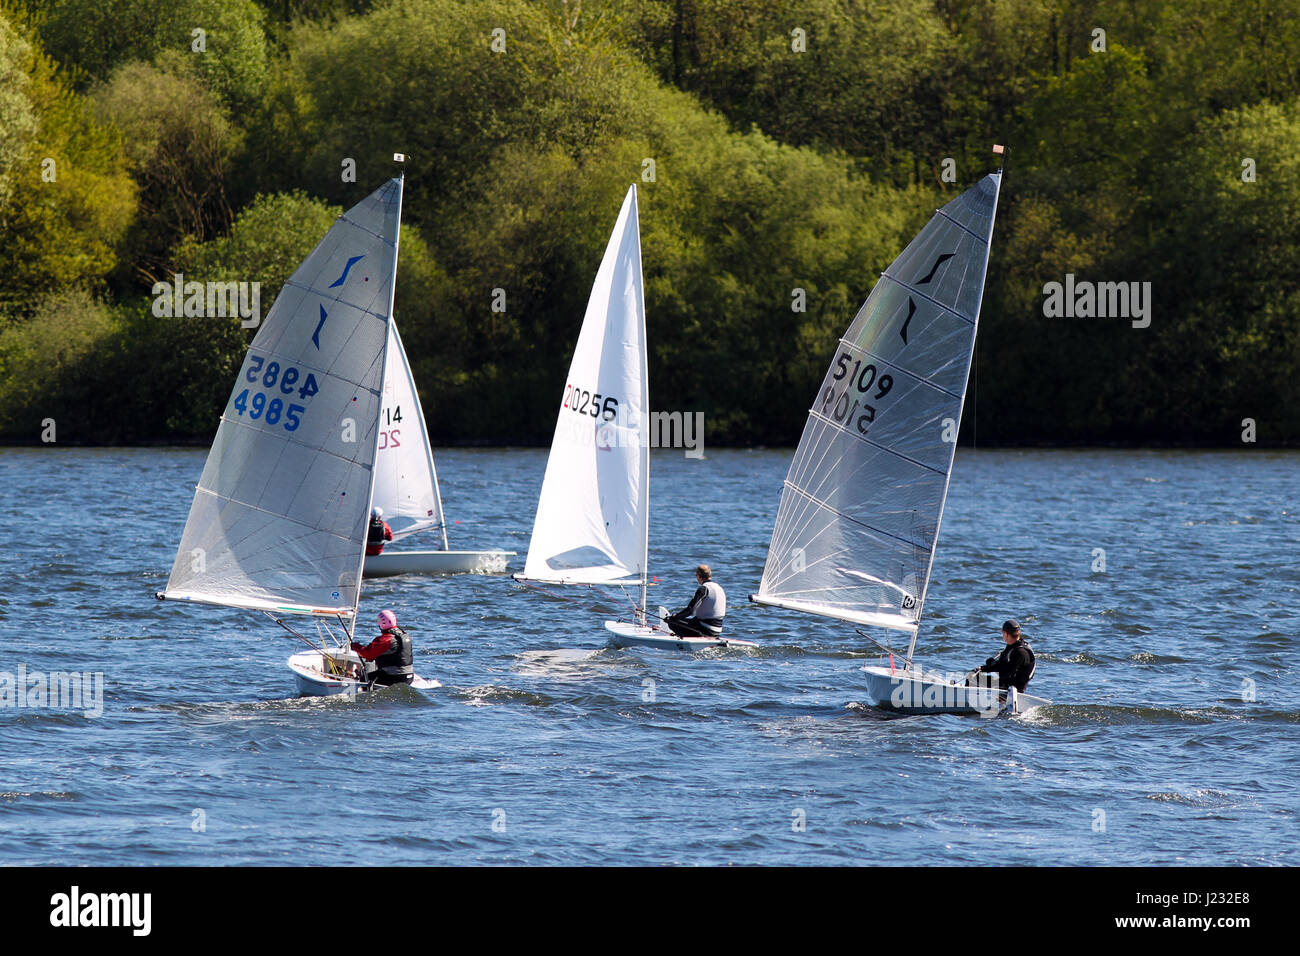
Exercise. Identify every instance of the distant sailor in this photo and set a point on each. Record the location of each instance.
(379, 533)
(703, 616)
(1015, 665)
(389, 654)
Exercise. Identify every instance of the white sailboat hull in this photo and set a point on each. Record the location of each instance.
(916, 692)
(642, 635)
(316, 678)
(392, 563)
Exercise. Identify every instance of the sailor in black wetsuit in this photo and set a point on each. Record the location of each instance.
(1015, 665)
(703, 616)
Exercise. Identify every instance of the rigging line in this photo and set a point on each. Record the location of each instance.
(884, 647)
(644, 612)
(528, 583)
(300, 637)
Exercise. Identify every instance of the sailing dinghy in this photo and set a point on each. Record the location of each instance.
(406, 483)
(279, 519)
(859, 515)
(593, 517)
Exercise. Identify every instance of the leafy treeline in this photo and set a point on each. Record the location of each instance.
(778, 145)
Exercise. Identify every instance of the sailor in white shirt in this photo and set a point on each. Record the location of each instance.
(703, 616)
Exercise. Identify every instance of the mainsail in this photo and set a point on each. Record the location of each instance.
(593, 515)
(279, 519)
(860, 511)
(406, 483)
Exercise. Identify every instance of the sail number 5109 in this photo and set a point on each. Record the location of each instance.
(862, 378)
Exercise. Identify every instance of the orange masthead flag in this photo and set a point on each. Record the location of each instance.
(997, 148)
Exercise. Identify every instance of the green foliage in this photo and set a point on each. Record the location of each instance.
(96, 36)
(774, 170)
(42, 357)
(1225, 265)
(267, 243)
(527, 174)
(181, 144)
(825, 73)
(17, 112)
(65, 196)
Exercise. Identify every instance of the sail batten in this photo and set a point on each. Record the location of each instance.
(848, 517)
(861, 505)
(814, 414)
(912, 290)
(959, 225)
(592, 524)
(854, 347)
(278, 520)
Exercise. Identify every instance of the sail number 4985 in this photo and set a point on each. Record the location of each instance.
(585, 403)
(277, 381)
(861, 378)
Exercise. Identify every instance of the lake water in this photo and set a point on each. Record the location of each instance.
(545, 746)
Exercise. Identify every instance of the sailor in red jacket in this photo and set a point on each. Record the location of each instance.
(390, 653)
(379, 532)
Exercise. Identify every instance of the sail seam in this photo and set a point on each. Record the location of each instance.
(244, 504)
(289, 440)
(846, 517)
(897, 368)
(962, 227)
(337, 298)
(813, 413)
(930, 299)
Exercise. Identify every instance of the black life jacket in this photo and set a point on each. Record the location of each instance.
(1033, 661)
(376, 535)
(397, 661)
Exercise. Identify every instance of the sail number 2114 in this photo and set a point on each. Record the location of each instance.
(860, 379)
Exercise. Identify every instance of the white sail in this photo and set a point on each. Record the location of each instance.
(859, 514)
(279, 519)
(592, 518)
(406, 484)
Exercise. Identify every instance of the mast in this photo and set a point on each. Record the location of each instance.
(999, 150)
(383, 374)
(645, 404)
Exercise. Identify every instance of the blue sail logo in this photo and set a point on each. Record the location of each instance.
(343, 277)
(346, 269)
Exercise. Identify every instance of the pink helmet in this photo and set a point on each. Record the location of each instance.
(387, 619)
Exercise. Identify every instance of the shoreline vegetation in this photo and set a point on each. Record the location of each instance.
(1140, 288)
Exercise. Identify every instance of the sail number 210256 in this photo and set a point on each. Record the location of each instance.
(585, 403)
